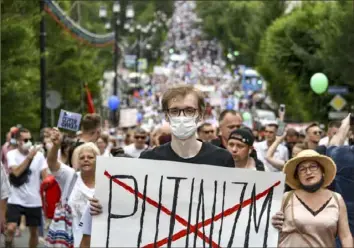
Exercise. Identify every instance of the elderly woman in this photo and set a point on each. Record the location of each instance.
(311, 216)
(84, 186)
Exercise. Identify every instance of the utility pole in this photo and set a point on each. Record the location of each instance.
(115, 63)
(137, 79)
(43, 82)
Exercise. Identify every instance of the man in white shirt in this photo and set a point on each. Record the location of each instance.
(26, 166)
(139, 145)
(281, 152)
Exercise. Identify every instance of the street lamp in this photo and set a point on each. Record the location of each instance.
(115, 20)
(129, 13)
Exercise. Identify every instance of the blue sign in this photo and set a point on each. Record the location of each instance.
(334, 90)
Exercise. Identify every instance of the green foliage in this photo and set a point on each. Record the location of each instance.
(315, 38)
(287, 49)
(19, 65)
(239, 25)
(70, 63)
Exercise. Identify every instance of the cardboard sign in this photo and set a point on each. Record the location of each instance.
(128, 117)
(69, 120)
(148, 203)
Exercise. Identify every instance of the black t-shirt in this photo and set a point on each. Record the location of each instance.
(218, 142)
(208, 154)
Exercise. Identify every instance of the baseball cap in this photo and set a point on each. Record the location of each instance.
(243, 135)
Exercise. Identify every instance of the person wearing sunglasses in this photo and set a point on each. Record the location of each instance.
(139, 145)
(313, 135)
(206, 132)
(26, 166)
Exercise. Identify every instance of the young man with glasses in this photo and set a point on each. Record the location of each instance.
(134, 150)
(184, 107)
(229, 121)
(27, 166)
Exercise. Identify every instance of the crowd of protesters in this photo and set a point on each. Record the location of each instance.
(319, 175)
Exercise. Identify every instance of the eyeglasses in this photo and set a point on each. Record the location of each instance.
(188, 112)
(317, 133)
(26, 140)
(312, 168)
(140, 137)
(208, 131)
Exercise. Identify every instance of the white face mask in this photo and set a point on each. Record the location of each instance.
(26, 146)
(183, 127)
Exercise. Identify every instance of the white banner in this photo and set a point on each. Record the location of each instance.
(148, 203)
(69, 120)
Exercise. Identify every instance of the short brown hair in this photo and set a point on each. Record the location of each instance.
(183, 90)
(140, 131)
(336, 124)
(292, 132)
(21, 130)
(315, 124)
(272, 125)
(228, 111)
(90, 122)
(104, 138)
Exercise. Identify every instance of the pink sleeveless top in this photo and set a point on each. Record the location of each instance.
(319, 228)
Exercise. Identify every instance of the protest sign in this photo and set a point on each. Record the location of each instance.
(148, 203)
(128, 117)
(69, 120)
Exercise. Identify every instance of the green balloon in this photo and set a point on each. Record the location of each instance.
(319, 83)
(246, 116)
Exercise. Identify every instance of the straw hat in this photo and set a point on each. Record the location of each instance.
(327, 163)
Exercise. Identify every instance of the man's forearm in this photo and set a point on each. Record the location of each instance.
(52, 158)
(18, 170)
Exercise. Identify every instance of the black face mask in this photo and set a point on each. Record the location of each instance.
(314, 187)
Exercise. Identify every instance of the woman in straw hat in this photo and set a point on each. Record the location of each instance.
(311, 216)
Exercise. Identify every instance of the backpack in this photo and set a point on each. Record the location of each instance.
(51, 193)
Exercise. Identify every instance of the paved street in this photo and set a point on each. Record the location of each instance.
(20, 241)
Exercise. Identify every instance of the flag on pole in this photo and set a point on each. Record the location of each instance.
(90, 105)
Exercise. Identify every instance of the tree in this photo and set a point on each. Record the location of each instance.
(239, 25)
(298, 45)
(19, 65)
(70, 63)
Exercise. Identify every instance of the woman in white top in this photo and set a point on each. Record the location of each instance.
(85, 184)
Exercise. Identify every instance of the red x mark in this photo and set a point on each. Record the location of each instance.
(192, 228)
